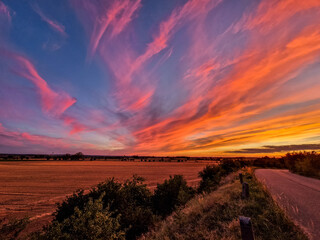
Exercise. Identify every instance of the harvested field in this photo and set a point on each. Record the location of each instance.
(32, 188)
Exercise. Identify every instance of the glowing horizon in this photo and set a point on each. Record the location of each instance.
(184, 77)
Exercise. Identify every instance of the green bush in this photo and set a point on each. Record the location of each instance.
(131, 200)
(92, 222)
(228, 166)
(210, 178)
(211, 175)
(171, 194)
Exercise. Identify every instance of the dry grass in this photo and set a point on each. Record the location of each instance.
(215, 216)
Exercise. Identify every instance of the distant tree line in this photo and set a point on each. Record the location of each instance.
(304, 163)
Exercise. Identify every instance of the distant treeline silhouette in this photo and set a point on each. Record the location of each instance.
(304, 163)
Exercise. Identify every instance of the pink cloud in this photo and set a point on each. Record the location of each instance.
(107, 16)
(21, 139)
(53, 102)
(4, 10)
(53, 24)
(76, 127)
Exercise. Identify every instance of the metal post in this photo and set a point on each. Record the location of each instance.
(246, 228)
(241, 178)
(245, 190)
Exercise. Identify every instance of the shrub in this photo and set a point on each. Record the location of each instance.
(211, 175)
(227, 166)
(131, 200)
(10, 229)
(171, 194)
(210, 178)
(116, 210)
(92, 222)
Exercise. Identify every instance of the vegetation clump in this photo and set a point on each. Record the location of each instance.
(116, 210)
(10, 229)
(304, 163)
(92, 222)
(171, 194)
(211, 175)
(129, 202)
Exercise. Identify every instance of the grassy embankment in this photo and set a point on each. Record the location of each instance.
(215, 216)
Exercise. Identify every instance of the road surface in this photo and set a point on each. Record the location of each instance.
(298, 195)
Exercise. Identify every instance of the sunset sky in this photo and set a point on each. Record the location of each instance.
(167, 77)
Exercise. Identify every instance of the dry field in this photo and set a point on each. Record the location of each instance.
(32, 188)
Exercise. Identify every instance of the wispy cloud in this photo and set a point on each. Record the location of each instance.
(4, 10)
(53, 102)
(108, 16)
(58, 27)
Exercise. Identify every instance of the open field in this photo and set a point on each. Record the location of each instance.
(32, 188)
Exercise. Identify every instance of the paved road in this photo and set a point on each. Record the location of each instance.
(298, 195)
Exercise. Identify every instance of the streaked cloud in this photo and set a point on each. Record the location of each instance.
(53, 102)
(4, 11)
(58, 27)
(277, 149)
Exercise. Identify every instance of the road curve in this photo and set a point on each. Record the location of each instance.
(298, 195)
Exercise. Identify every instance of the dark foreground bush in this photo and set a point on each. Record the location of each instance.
(115, 210)
(171, 194)
(130, 200)
(92, 222)
(10, 229)
(212, 175)
(210, 178)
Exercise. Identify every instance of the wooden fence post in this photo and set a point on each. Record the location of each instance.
(245, 190)
(246, 228)
(241, 178)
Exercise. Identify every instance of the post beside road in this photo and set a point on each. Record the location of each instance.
(246, 228)
(245, 190)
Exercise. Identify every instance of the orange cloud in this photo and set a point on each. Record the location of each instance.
(272, 13)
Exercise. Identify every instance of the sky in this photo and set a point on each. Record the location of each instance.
(169, 77)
